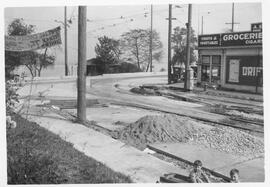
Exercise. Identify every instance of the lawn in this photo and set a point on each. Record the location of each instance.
(37, 156)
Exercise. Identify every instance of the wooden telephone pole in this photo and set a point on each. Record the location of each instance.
(66, 55)
(81, 98)
(169, 43)
(151, 39)
(188, 71)
(232, 23)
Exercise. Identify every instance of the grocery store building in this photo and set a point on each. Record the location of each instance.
(232, 60)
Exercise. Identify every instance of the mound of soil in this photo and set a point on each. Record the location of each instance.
(173, 128)
(143, 91)
(160, 128)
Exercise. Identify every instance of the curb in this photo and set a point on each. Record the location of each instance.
(227, 179)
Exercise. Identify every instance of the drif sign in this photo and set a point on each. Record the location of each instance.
(251, 71)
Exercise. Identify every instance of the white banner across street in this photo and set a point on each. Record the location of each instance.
(34, 41)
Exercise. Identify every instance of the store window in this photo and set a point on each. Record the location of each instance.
(216, 63)
(205, 68)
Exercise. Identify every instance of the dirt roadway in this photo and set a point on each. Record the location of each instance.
(114, 89)
(104, 89)
(107, 89)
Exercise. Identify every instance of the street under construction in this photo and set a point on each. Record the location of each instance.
(154, 127)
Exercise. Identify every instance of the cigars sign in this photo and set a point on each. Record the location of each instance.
(33, 42)
(231, 39)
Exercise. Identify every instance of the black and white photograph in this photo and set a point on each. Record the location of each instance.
(140, 92)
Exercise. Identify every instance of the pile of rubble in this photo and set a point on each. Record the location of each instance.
(230, 140)
(173, 128)
(245, 115)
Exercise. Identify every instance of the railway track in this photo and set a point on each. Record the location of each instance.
(248, 121)
(90, 124)
(250, 128)
(254, 127)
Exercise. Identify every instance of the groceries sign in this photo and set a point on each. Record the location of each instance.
(33, 42)
(243, 38)
(231, 39)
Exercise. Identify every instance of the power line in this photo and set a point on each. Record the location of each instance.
(30, 19)
(72, 14)
(113, 25)
(128, 18)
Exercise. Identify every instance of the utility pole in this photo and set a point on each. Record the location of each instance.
(188, 71)
(66, 55)
(203, 23)
(151, 39)
(232, 17)
(232, 23)
(202, 26)
(169, 42)
(81, 98)
(198, 20)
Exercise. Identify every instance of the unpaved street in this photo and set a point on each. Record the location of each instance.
(114, 89)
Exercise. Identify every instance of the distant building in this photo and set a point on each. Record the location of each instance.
(94, 67)
(97, 67)
(232, 60)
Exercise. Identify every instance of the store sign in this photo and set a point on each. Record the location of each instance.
(230, 39)
(244, 70)
(209, 40)
(33, 42)
(256, 27)
(251, 71)
(241, 39)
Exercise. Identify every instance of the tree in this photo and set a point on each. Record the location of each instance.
(36, 61)
(108, 50)
(135, 45)
(33, 60)
(16, 28)
(179, 42)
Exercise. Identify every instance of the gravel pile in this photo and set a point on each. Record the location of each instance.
(245, 115)
(173, 128)
(230, 140)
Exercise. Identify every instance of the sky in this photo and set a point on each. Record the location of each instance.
(113, 20)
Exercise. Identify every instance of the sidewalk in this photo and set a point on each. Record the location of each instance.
(233, 94)
(140, 166)
(251, 169)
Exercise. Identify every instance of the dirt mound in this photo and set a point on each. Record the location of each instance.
(173, 128)
(143, 91)
(161, 128)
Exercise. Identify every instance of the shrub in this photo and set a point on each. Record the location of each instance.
(11, 100)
